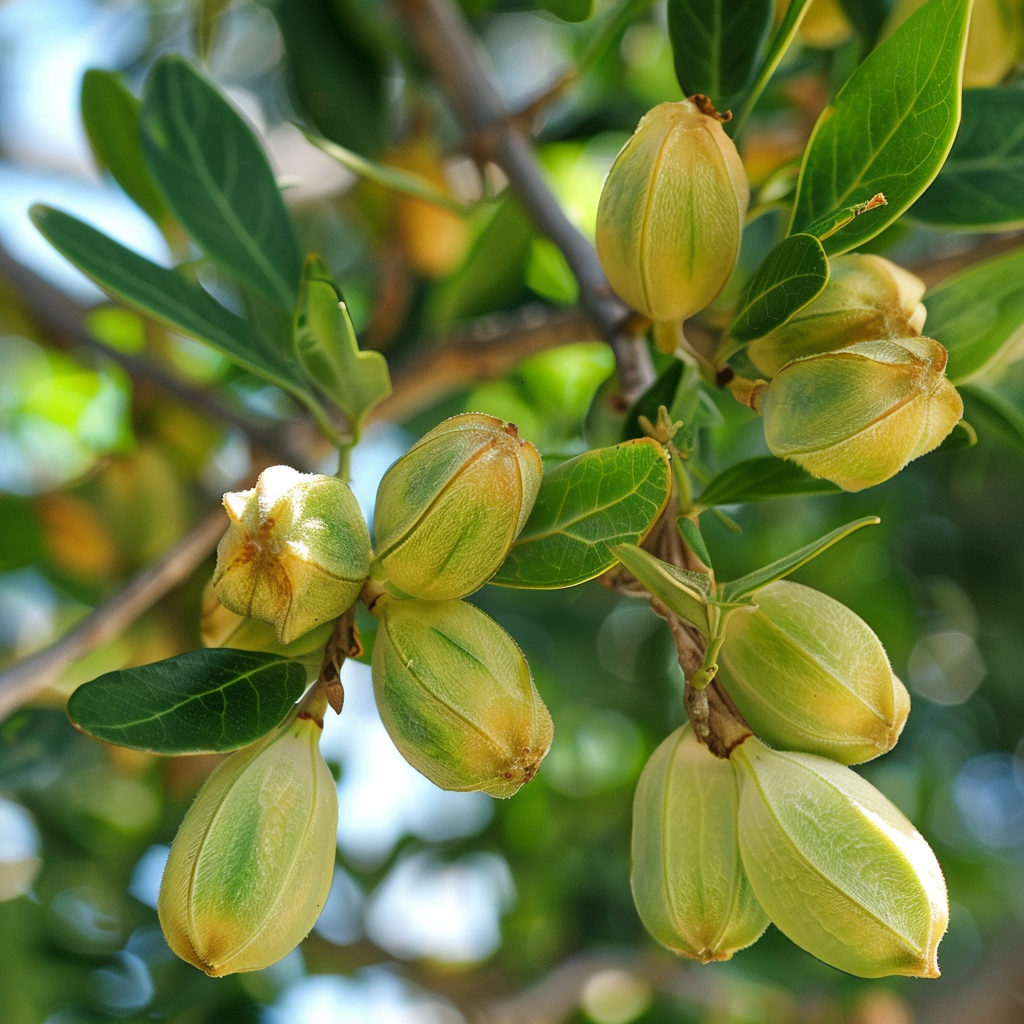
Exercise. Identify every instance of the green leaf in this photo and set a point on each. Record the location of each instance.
(682, 591)
(978, 315)
(981, 184)
(337, 74)
(989, 407)
(890, 127)
(761, 479)
(216, 180)
(167, 297)
(201, 702)
(326, 346)
(110, 113)
(395, 178)
(690, 532)
(569, 10)
(716, 44)
(736, 590)
(963, 435)
(793, 273)
(586, 506)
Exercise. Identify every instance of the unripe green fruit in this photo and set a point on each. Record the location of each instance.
(838, 868)
(251, 865)
(689, 885)
(808, 674)
(866, 298)
(296, 553)
(449, 509)
(455, 694)
(858, 416)
(671, 213)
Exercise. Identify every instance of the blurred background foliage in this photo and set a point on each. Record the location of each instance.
(450, 907)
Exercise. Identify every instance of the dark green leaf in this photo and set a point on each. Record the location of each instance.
(586, 506)
(690, 532)
(981, 184)
(216, 180)
(716, 43)
(868, 17)
(325, 343)
(200, 702)
(890, 128)
(492, 272)
(684, 592)
(569, 10)
(162, 294)
(662, 392)
(110, 113)
(990, 408)
(736, 590)
(978, 314)
(793, 274)
(337, 76)
(35, 744)
(22, 539)
(759, 480)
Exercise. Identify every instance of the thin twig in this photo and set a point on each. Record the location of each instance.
(27, 678)
(449, 48)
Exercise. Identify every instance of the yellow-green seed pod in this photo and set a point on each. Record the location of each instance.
(252, 863)
(671, 213)
(449, 509)
(296, 552)
(838, 868)
(866, 298)
(456, 696)
(808, 674)
(689, 885)
(858, 416)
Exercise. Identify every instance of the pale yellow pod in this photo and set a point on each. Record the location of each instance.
(456, 696)
(838, 868)
(671, 213)
(251, 866)
(867, 297)
(449, 509)
(859, 415)
(688, 881)
(296, 552)
(808, 674)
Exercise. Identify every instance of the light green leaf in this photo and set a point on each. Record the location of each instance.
(680, 590)
(736, 590)
(326, 346)
(110, 113)
(978, 315)
(989, 407)
(761, 479)
(792, 274)
(569, 10)
(217, 181)
(716, 44)
(201, 702)
(981, 184)
(395, 178)
(890, 127)
(167, 297)
(586, 506)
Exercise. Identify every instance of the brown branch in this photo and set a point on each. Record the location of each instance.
(489, 349)
(27, 678)
(451, 51)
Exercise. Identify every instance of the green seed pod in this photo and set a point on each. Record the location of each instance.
(296, 553)
(455, 694)
(838, 868)
(449, 509)
(808, 674)
(252, 863)
(866, 298)
(688, 881)
(671, 213)
(858, 416)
